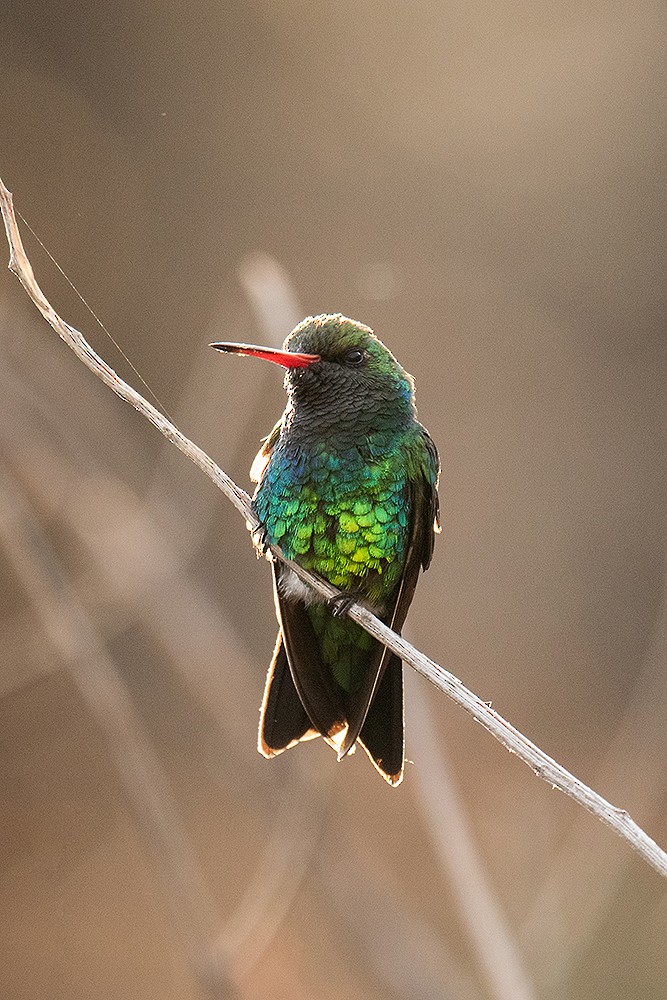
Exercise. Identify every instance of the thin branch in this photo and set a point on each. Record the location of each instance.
(541, 763)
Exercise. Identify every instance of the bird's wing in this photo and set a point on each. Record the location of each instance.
(313, 681)
(382, 734)
(283, 719)
(425, 524)
(263, 456)
(430, 526)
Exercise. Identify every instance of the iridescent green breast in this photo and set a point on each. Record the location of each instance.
(341, 514)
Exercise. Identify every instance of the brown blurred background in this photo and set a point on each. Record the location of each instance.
(484, 185)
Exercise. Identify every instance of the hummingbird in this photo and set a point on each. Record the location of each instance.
(347, 488)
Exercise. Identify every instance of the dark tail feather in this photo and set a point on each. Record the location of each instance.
(313, 681)
(382, 732)
(283, 720)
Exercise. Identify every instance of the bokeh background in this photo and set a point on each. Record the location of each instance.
(484, 185)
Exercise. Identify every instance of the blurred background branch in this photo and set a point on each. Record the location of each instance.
(498, 956)
(94, 673)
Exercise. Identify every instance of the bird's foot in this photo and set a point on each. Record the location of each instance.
(260, 541)
(341, 603)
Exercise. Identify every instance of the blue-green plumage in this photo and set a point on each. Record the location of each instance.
(347, 487)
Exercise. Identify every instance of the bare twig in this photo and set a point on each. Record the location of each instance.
(541, 763)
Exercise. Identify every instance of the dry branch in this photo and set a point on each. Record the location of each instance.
(543, 765)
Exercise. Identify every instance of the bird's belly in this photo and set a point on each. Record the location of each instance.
(294, 589)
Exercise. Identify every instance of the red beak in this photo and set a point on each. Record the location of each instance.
(287, 359)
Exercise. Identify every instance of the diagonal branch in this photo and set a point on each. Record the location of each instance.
(541, 763)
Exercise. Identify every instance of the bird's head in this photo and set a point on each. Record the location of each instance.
(338, 374)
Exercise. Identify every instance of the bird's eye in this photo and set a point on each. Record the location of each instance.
(354, 357)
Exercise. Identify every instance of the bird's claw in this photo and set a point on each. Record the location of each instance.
(340, 604)
(260, 540)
